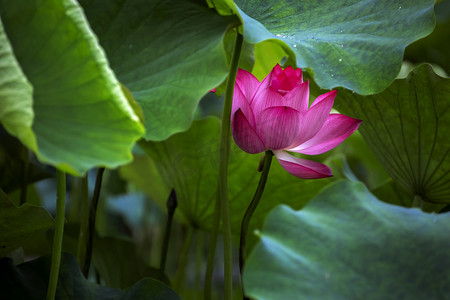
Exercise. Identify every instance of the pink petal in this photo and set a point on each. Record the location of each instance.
(336, 129)
(283, 81)
(245, 135)
(265, 97)
(315, 117)
(278, 126)
(294, 75)
(247, 82)
(302, 168)
(298, 97)
(240, 101)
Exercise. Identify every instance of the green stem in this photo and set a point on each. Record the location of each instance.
(223, 168)
(84, 221)
(181, 270)
(251, 209)
(58, 236)
(199, 264)
(212, 251)
(92, 216)
(171, 206)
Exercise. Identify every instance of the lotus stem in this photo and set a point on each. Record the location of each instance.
(212, 251)
(92, 217)
(84, 221)
(58, 235)
(171, 206)
(224, 151)
(251, 209)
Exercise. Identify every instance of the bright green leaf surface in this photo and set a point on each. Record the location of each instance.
(18, 224)
(346, 244)
(29, 281)
(167, 53)
(407, 127)
(16, 113)
(82, 119)
(189, 162)
(350, 43)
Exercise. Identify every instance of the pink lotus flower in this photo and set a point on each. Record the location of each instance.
(274, 115)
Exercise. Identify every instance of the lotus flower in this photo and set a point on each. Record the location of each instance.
(274, 115)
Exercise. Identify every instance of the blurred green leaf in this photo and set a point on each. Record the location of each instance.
(143, 174)
(434, 48)
(407, 128)
(268, 53)
(345, 244)
(356, 157)
(29, 281)
(82, 119)
(392, 193)
(18, 224)
(350, 43)
(188, 162)
(167, 53)
(12, 164)
(108, 259)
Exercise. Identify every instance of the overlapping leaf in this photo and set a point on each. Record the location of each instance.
(81, 117)
(346, 244)
(167, 53)
(350, 43)
(18, 224)
(407, 127)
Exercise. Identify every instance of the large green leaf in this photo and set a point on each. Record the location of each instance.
(16, 113)
(29, 281)
(82, 119)
(407, 127)
(168, 54)
(345, 244)
(18, 224)
(188, 162)
(350, 43)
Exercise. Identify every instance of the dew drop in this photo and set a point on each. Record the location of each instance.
(332, 75)
(342, 45)
(400, 7)
(295, 46)
(340, 59)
